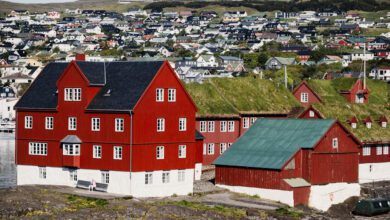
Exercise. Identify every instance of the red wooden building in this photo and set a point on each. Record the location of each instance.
(357, 94)
(305, 95)
(374, 161)
(130, 125)
(294, 161)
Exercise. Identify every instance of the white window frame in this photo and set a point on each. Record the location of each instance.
(222, 126)
(119, 124)
(160, 124)
(72, 123)
(28, 122)
(231, 126)
(379, 150)
(203, 126)
(171, 95)
(385, 149)
(210, 148)
(182, 124)
(160, 154)
(182, 151)
(42, 172)
(245, 122)
(105, 177)
(148, 178)
(368, 125)
(222, 148)
(304, 97)
(36, 148)
(181, 175)
(335, 143)
(72, 94)
(49, 123)
(71, 149)
(73, 175)
(159, 95)
(95, 124)
(311, 113)
(165, 177)
(211, 126)
(97, 152)
(253, 120)
(366, 151)
(118, 152)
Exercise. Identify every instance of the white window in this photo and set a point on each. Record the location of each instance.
(160, 152)
(73, 175)
(223, 126)
(42, 172)
(49, 123)
(231, 126)
(181, 175)
(335, 142)
(304, 97)
(182, 124)
(222, 148)
(95, 124)
(165, 177)
(28, 122)
(230, 144)
(366, 151)
(211, 125)
(72, 123)
(160, 124)
(148, 178)
(204, 149)
(210, 149)
(72, 94)
(368, 124)
(353, 124)
(117, 153)
(35, 148)
(384, 124)
(386, 149)
(379, 150)
(246, 122)
(311, 114)
(71, 149)
(119, 124)
(97, 151)
(182, 151)
(253, 120)
(159, 95)
(203, 126)
(105, 177)
(171, 95)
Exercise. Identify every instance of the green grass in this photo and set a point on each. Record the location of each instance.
(80, 202)
(242, 94)
(286, 212)
(335, 106)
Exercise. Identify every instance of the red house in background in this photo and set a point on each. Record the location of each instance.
(357, 94)
(308, 113)
(293, 161)
(127, 125)
(305, 95)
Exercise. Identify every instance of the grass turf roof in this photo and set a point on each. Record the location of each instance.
(335, 106)
(241, 94)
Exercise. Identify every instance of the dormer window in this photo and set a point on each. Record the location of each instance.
(368, 125)
(72, 94)
(353, 125)
(384, 124)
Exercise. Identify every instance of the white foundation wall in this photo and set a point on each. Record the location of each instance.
(198, 171)
(120, 182)
(282, 196)
(160, 189)
(371, 172)
(324, 196)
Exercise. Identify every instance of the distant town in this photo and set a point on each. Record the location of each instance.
(267, 110)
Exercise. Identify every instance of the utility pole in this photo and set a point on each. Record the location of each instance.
(285, 76)
(364, 66)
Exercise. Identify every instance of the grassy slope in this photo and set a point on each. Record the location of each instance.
(243, 94)
(335, 106)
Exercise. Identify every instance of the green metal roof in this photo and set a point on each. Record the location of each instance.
(270, 143)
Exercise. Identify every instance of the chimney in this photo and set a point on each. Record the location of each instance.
(80, 57)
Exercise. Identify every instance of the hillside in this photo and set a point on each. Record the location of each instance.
(243, 94)
(335, 106)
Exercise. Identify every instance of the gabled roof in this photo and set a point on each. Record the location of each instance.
(307, 85)
(125, 84)
(270, 143)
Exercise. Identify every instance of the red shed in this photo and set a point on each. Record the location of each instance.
(308, 161)
(357, 94)
(305, 95)
(128, 125)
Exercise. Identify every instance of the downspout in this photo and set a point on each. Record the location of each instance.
(131, 146)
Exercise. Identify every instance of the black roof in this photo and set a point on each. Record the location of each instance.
(125, 83)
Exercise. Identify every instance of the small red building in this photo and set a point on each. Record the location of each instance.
(357, 94)
(374, 161)
(129, 125)
(293, 161)
(306, 113)
(305, 95)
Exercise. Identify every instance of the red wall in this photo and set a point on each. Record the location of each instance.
(304, 89)
(373, 157)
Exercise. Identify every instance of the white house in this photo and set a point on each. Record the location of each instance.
(206, 61)
(381, 73)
